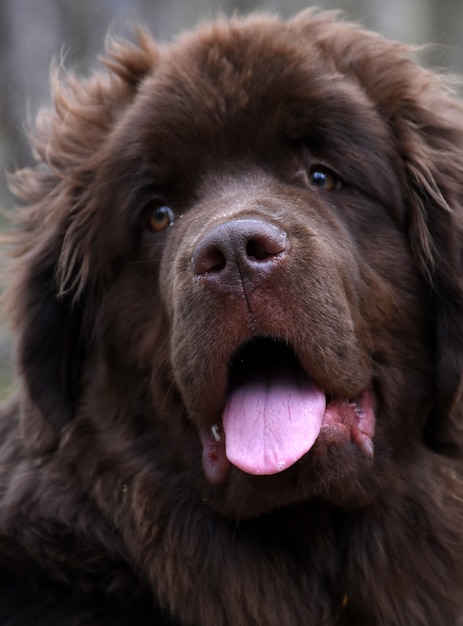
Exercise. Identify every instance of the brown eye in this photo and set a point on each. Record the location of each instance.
(322, 177)
(160, 218)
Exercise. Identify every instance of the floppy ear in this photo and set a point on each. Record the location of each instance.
(54, 292)
(426, 120)
(433, 161)
(426, 124)
(50, 354)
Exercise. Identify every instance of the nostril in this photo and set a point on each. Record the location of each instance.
(212, 260)
(258, 249)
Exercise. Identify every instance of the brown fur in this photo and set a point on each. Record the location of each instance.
(124, 351)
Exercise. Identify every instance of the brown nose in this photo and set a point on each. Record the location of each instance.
(244, 251)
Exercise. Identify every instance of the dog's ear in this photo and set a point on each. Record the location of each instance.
(50, 352)
(55, 282)
(425, 120)
(433, 158)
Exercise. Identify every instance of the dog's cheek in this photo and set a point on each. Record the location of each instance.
(131, 323)
(168, 277)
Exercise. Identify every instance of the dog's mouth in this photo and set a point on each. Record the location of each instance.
(274, 414)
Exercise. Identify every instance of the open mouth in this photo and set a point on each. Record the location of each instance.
(274, 413)
(258, 353)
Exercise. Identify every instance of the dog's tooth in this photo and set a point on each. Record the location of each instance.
(216, 431)
(357, 408)
(367, 447)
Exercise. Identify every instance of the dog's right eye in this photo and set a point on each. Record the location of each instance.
(160, 218)
(322, 177)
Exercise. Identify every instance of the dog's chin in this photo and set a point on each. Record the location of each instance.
(339, 474)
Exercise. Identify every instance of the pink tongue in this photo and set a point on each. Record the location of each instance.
(272, 420)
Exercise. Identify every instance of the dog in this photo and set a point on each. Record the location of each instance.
(237, 299)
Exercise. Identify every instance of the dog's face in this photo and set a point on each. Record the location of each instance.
(249, 249)
(277, 243)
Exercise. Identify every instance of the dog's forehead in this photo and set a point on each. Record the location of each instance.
(245, 93)
(240, 50)
(237, 71)
(246, 83)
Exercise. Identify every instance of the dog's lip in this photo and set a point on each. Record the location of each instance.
(352, 420)
(338, 421)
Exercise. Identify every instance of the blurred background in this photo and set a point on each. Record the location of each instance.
(33, 32)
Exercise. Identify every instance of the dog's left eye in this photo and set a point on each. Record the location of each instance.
(323, 178)
(160, 218)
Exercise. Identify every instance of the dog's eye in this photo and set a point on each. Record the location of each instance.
(323, 178)
(160, 218)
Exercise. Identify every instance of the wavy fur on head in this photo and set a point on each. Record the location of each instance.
(259, 201)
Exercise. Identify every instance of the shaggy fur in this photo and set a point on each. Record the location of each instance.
(259, 200)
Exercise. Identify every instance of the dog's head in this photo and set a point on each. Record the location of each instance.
(253, 236)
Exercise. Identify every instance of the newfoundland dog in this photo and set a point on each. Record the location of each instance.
(237, 294)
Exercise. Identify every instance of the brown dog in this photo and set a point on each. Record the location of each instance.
(238, 301)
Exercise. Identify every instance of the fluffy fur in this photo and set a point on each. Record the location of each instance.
(258, 193)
